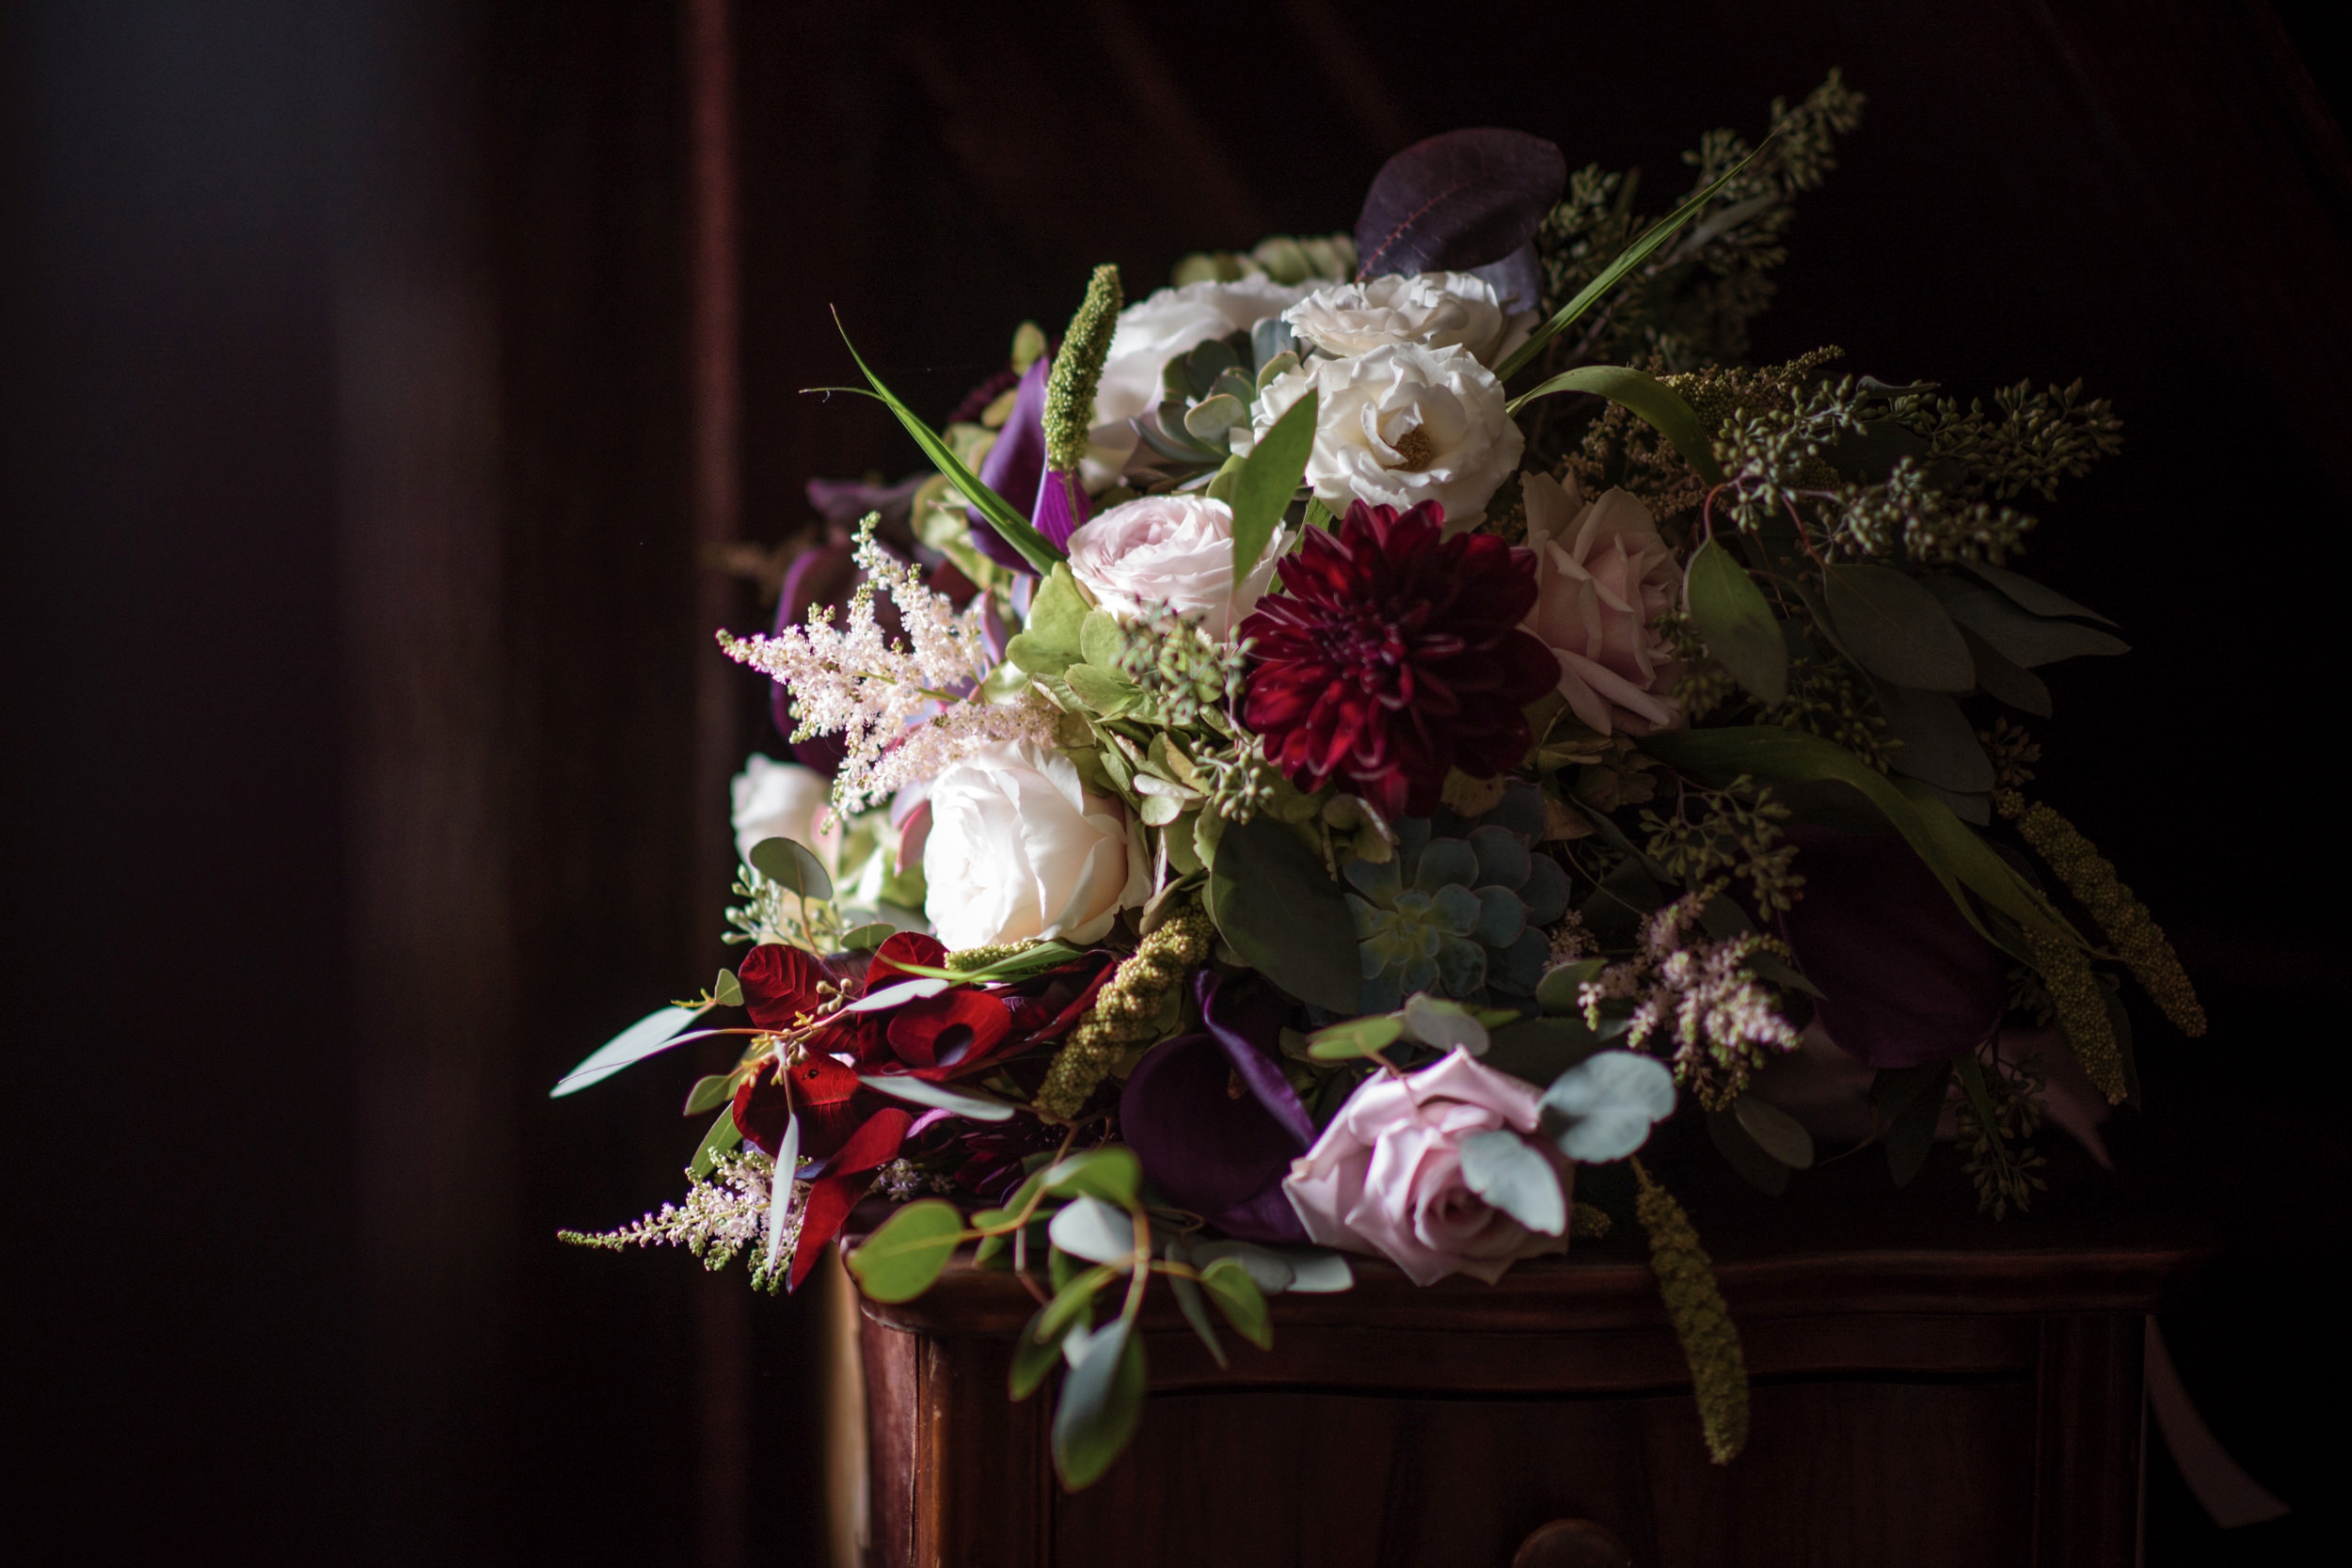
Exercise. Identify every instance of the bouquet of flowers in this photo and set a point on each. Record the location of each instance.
(1357, 738)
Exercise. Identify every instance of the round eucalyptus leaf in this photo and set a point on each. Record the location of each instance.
(1775, 1131)
(792, 866)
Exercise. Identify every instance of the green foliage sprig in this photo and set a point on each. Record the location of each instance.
(1078, 370)
(1694, 1305)
(1126, 1010)
(1734, 830)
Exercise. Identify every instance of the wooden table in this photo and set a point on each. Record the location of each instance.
(1927, 1388)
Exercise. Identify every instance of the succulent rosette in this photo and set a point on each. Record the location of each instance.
(1343, 747)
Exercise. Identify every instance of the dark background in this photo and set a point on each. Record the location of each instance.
(359, 715)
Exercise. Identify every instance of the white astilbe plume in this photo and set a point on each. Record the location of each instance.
(1725, 1022)
(901, 712)
(721, 1217)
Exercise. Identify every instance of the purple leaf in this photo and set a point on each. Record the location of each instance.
(1015, 466)
(1456, 201)
(1062, 505)
(1906, 980)
(1518, 280)
(845, 502)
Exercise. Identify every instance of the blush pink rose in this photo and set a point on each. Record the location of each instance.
(1603, 575)
(1386, 1176)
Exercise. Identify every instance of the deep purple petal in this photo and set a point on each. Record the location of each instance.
(1014, 466)
(1267, 1217)
(1906, 979)
(1062, 505)
(1207, 1148)
(845, 502)
(1245, 1020)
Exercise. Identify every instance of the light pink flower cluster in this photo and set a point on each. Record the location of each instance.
(904, 713)
(1724, 1021)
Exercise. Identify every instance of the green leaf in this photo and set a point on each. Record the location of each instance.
(1111, 1174)
(1226, 1281)
(1939, 744)
(723, 1135)
(1269, 477)
(2005, 681)
(1560, 992)
(1896, 628)
(864, 939)
(1272, 1272)
(1195, 1307)
(1758, 1169)
(1444, 1026)
(649, 1035)
(1071, 1301)
(1775, 1131)
(1910, 1100)
(1355, 1037)
(1734, 621)
(900, 1261)
(1632, 257)
(1508, 1172)
(1099, 641)
(709, 1094)
(2025, 639)
(2028, 594)
(918, 1091)
(727, 990)
(1319, 516)
(1035, 657)
(1107, 692)
(1538, 1050)
(1090, 1228)
(1101, 1400)
(1646, 396)
(1033, 547)
(1274, 906)
(1059, 610)
(792, 866)
(1034, 1356)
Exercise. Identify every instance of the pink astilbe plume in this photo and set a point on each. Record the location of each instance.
(903, 712)
(1724, 1022)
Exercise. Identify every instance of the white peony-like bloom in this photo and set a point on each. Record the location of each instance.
(1170, 551)
(1151, 332)
(1018, 849)
(1401, 425)
(779, 799)
(1436, 310)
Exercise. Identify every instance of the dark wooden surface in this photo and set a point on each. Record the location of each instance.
(1971, 1397)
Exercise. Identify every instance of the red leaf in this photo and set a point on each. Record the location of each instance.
(779, 984)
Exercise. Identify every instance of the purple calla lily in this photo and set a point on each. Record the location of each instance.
(1906, 980)
(1015, 466)
(1213, 1121)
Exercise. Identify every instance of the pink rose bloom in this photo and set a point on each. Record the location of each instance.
(1386, 1176)
(1602, 577)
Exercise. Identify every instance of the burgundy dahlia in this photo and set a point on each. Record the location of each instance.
(1393, 654)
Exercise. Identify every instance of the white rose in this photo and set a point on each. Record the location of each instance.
(1018, 849)
(1151, 332)
(1171, 550)
(778, 800)
(1436, 310)
(1401, 425)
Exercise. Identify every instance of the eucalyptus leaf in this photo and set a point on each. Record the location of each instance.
(723, 1138)
(1736, 623)
(1318, 1273)
(1743, 1154)
(1775, 1131)
(1090, 1228)
(780, 1189)
(866, 938)
(1647, 397)
(1272, 1272)
(1269, 477)
(792, 866)
(649, 1035)
(2003, 680)
(1194, 1305)
(1910, 1100)
(899, 1260)
(1033, 1356)
(1603, 1107)
(1276, 907)
(898, 995)
(2028, 594)
(1236, 1294)
(1443, 1025)
(1897, 629)
(1357, 1036)
(2025, 639)
(727, 990)
(1939, 744)
(918, 1091)
(1102, 1399)
(1070, 1302)
(1538, 1050)
(1509, 1173)
(708, 1093)
(1561, 991)
(1111, 1174)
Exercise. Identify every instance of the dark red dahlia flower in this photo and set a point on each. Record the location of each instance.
(1393, 654)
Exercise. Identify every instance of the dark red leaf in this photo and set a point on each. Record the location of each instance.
(1458, 201)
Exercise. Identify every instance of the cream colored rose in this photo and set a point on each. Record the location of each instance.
(1175, 551)
(1151, 332)
(780, 799)
(1401, 425)
(1602, 577)
(1018, 849)
(1436, 310)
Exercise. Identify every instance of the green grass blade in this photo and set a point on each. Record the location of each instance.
(1647, 397)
